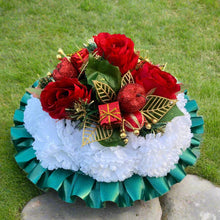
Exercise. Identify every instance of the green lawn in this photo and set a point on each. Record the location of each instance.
(182, 33)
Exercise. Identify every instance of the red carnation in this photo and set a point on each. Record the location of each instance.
(79, 58)
(65, 69)
(59, 95)
(117, 49)
(151, 76)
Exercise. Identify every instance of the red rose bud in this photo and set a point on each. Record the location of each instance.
(79, 58)
(131, 97)
(59, 95)
(64, 69)
(117, 49)
(151, 76)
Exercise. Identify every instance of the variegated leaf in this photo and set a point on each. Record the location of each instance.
(34, 91)
(126, 79)
(105, 93)
(93, 132)
(156, 107)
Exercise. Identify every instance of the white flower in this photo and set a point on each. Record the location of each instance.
(58, 145)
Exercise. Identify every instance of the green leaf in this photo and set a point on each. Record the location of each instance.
(172, 113)
(114, 140)
(101, 70)
(156, 128)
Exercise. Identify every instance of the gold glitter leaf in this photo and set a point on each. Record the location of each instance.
(105, 93)
(156, 107)
(93, 132)
(163, 66)
(126, 79)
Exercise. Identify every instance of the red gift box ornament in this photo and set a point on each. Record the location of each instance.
(110, 114)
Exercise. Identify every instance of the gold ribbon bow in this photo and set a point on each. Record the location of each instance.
(79, 54)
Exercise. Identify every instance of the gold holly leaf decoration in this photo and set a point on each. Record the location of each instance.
(156, 107)
(93, 132)
(126, 79)
(105, 93)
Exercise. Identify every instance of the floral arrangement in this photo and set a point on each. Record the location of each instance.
(105, 124)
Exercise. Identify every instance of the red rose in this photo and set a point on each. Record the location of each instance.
(64, 69)
(59, 95)
(151, 76)
(117, 49)
(79, 58)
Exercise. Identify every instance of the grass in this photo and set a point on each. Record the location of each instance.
(182, 33)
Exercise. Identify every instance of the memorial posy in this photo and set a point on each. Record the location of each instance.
(106, 125)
